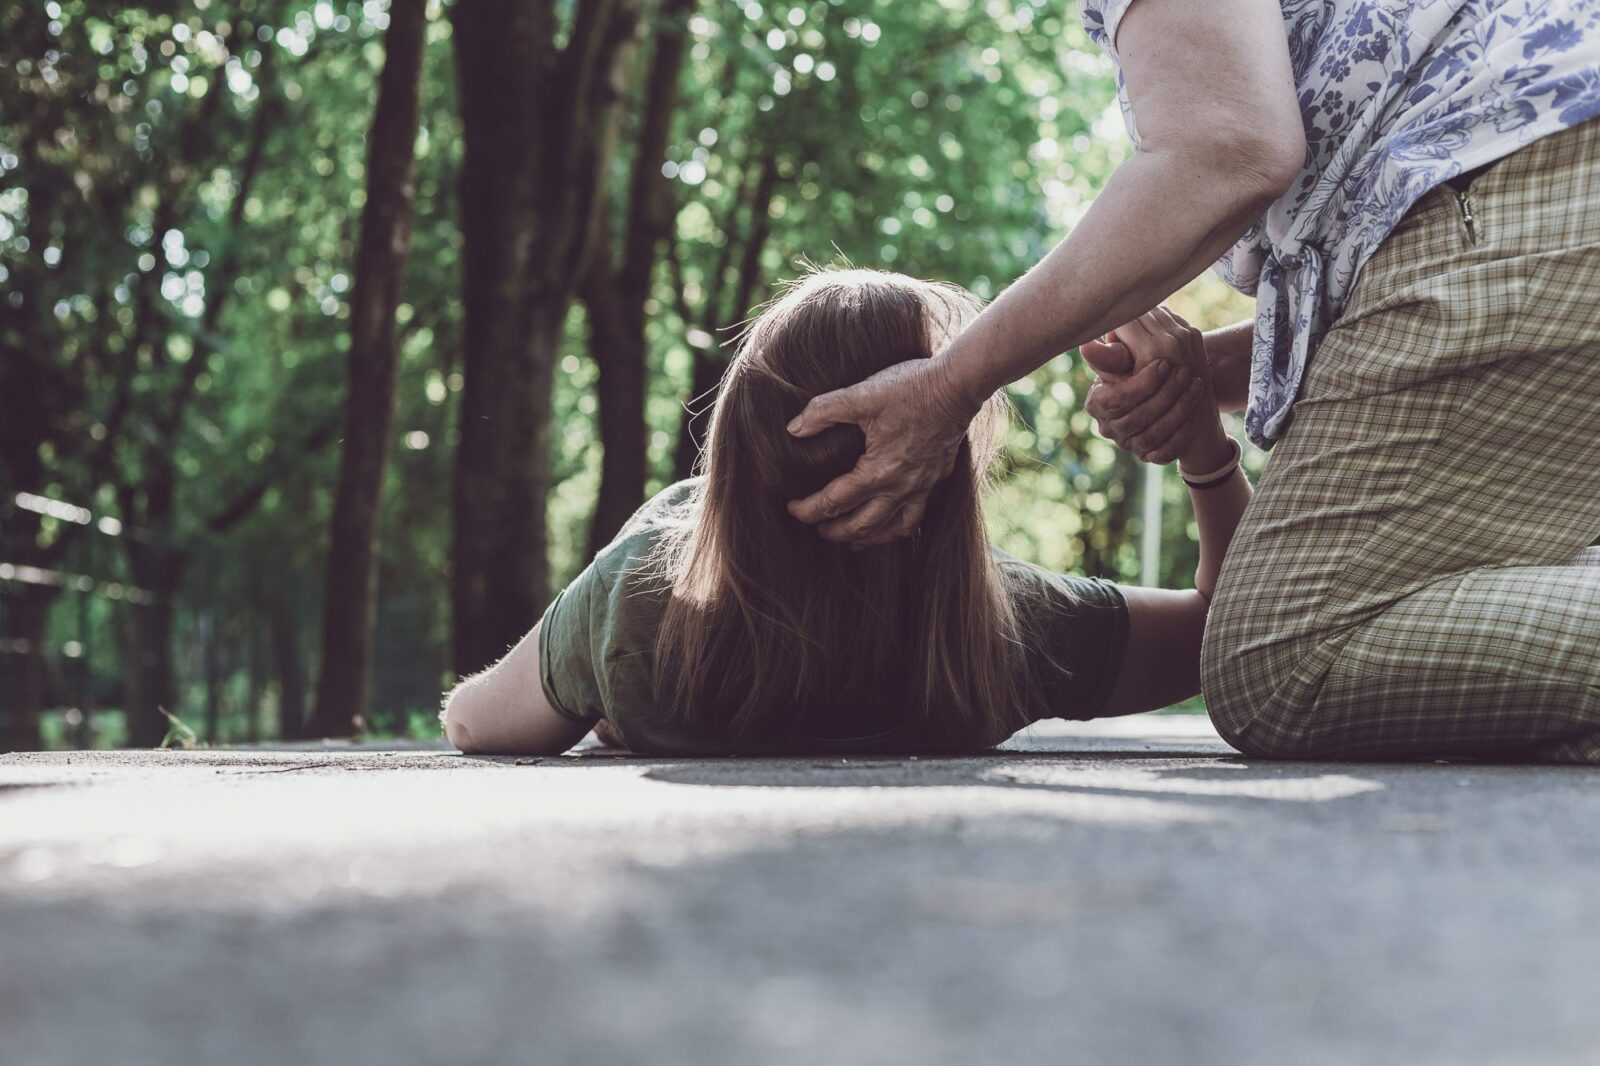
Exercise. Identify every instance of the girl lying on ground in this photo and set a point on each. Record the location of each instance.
(717, 623)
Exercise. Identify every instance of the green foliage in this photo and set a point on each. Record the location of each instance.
(180, 189)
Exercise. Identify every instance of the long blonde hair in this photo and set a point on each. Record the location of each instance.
(771, 632)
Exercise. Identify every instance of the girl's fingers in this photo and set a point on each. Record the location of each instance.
(1107, 357)
(1139, 338)
(1166, 321)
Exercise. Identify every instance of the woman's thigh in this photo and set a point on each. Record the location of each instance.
(1447, 425)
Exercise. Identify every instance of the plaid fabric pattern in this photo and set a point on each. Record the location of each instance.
(1412, 578)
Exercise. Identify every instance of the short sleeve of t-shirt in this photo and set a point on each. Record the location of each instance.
(596, 636)
(568, 651)
(1075, 631)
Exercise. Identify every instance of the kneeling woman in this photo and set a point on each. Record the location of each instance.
(717, 623)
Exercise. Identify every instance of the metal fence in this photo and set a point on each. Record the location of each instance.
(82, 595)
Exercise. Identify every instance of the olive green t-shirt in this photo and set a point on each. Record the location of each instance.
(597, 642)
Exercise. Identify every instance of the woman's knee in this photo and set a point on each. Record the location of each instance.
(1221, 684)
(1244, 681)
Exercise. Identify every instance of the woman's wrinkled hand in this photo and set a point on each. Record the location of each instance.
(914, 418)
(1154, 395)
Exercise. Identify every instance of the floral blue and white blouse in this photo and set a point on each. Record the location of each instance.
(1397, 97)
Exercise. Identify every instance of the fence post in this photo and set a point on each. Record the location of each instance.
(1150, 536)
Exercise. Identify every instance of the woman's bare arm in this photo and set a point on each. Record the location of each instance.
(1220, 138)
(1162, 663)
(504, 711)
(1212, 94)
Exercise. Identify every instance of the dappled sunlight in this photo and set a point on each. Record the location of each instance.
(296, 824)
(1238, 780)
(816, 792)
(291, 815)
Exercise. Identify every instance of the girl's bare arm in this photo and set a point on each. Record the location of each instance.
(504, 711)
(1161, 665)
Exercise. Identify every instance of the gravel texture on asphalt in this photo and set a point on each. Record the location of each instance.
(1128, 892)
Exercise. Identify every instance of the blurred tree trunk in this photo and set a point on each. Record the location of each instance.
(24, 606)
(150, 683)
(156, 567)
(286, 664)
(254, 680)
(616, 339)
(26, 609)
(350, 591)
(39, 399)
(756, 192)
(539, 123)
(616, 292)
(211, 667)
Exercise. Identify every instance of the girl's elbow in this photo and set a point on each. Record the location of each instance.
(456, 718)
(460, 737)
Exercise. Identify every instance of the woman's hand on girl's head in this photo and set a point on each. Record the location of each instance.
(1154, 395)
(914, 420)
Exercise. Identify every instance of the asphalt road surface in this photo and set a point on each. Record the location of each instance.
(1122, 893)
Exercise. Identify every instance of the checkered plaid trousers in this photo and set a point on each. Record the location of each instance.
(1413, 578)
